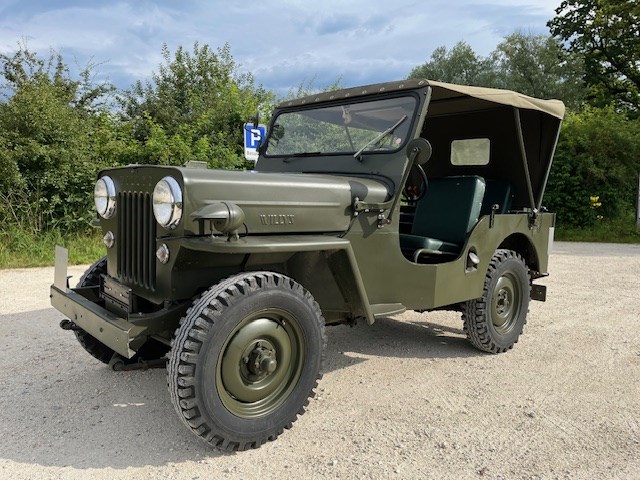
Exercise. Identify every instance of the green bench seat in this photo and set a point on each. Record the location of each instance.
(444, 217)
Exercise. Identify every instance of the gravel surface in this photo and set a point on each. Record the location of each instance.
(405, 398)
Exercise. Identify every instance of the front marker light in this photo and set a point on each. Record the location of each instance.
(104, 196)
(167, 202)
(109, 239)
(163, 253)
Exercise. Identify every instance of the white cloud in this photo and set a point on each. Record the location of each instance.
(282, 42)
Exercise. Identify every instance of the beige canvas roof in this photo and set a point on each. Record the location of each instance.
(442, 91)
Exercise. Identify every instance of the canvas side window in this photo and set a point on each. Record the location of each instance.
(473, 151)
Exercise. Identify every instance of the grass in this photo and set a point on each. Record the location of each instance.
(622, 230)
(20, 248)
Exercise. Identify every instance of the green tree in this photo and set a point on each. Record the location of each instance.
(535, 65)
(605, 34)
(538, 65)
(309, 87)
(460, 65)
(595, 168)
(193, 108)
(49, 146)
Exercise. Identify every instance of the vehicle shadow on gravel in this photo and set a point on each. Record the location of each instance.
(61, 408)
(393, 338)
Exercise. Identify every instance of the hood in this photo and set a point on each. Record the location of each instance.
(281, 202)
(271, 202)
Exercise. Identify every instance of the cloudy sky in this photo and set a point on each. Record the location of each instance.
(282, 42)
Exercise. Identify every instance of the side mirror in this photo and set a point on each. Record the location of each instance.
(418, 153)
(255, 120)
(277, 132)
(419, 149)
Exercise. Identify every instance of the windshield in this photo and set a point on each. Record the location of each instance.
(348, 128)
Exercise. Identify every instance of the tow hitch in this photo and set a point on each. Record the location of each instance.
(69, 325)
(118, 363)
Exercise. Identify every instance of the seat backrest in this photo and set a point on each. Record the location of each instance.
(450, 209)
(497, 192)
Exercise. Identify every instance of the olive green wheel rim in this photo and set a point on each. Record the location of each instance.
(260, 363)
(505, 304)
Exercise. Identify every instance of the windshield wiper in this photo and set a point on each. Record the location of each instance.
(293, 156)
(379, 137)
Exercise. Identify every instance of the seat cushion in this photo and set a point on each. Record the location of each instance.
(411, 243)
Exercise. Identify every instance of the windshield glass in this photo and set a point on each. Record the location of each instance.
(346, 128)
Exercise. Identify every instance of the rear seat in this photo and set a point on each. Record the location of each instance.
(444, 217)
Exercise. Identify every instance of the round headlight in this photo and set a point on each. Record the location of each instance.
(167, 202)
(104, 195)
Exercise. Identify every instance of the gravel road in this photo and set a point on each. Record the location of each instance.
(405, 398)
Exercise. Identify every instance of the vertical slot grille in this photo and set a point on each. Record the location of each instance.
(136, 240)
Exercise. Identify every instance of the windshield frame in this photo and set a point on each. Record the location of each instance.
(411, 118)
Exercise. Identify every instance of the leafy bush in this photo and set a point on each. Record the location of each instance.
(57, 132)
(49, 127)
(192, 109)
(595, 172)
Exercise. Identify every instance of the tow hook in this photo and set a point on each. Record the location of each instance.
(69, 325)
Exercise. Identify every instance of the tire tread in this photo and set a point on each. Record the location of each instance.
(189, 337)
(475, 317)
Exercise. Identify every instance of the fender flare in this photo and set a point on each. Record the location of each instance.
(338, 252)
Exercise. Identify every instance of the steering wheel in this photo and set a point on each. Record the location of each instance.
(417, 184)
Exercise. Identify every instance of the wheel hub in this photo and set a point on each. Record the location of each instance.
(505, 304)
(262, 360)
(260, 363)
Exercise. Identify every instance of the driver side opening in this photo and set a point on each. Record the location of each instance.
(442, 219)
(470, 174)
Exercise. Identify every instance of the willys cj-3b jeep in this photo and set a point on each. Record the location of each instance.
(364, 202)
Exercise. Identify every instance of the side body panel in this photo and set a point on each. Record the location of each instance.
(366, 274)
(391, 279)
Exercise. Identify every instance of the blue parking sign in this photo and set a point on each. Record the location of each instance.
(252, 140)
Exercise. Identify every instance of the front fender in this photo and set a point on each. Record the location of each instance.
(299, 256)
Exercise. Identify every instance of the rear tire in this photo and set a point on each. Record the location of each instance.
(246, 359)
(494, 322)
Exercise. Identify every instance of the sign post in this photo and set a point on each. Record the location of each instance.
(252, 139)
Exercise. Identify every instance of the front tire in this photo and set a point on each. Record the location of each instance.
(494, 322)
(94, 347)
(245, 360)
(151, 350)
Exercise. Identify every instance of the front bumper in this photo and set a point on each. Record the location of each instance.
(115, 332)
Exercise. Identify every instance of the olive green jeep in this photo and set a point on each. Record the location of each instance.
(364, 203)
